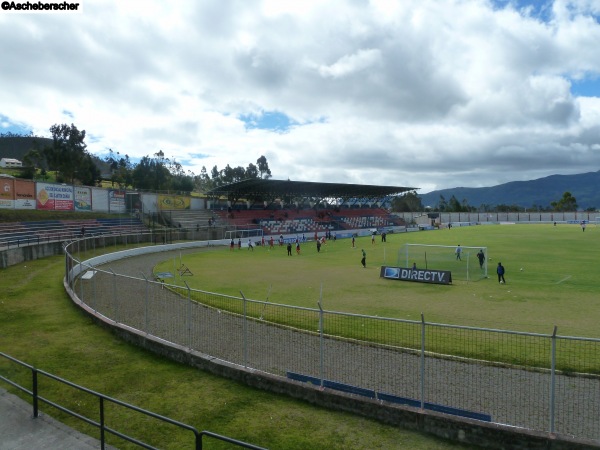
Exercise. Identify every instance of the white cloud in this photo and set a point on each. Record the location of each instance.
(413, 93)
(349, 64)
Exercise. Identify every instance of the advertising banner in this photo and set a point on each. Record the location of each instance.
(173, 202)
(24, 194)
(418, 275)
(83, 198)
(57, 197)
(116, 201)
(7, 193)
(100, 200)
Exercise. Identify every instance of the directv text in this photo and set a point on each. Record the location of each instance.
(418, 275)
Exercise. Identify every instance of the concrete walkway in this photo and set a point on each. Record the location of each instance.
(20, 431)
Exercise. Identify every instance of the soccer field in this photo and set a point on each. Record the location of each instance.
(557, 285)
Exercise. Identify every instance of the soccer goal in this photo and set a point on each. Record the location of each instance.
(243, 234)
(444, 257)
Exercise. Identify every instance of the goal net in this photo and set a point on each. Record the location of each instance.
(446, 257)
(242, 234)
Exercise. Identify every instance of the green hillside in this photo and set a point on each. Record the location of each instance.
(18, 146)
(527, 194)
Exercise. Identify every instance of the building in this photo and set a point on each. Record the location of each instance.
(9, 163)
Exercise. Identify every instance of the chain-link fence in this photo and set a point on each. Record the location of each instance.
(542, 382)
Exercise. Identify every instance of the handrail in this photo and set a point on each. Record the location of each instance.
(36, 397)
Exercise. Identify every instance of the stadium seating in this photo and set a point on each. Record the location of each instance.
(25, 233)
(294, 221)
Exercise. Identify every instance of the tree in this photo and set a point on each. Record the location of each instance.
(442, 204)
(252, 171)
(407, 202)
(151, 173)
(88, 172)
(202, 182)
(120, 168)
(263, 167)
(67, 155)
(454, 205)
(32, 160)
(566, 203)
(182, 183)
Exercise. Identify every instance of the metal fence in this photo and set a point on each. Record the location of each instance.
(457, 219)
(543, 382)
(104, 403)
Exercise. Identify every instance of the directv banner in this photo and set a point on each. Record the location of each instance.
(418, 275)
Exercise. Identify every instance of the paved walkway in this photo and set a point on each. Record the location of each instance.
(20, 431)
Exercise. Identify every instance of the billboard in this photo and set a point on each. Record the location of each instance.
(418, 275)
(83, 198)
(173, 202)
(7, 193)
(24, 194)
(116, 201)
(57, 197)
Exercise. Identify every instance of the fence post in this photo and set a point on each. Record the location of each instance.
(422, 380)
(321, 345)
(102, 425)
(94, 295)
(116, 303)
(553, 380)
(34, 388)
(80, 277)
(146, 305)
(245, 344)
(188, 318)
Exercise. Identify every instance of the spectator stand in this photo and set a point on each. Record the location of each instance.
(35, 232)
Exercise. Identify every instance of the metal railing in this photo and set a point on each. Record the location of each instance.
(543, 382)
(102, 399)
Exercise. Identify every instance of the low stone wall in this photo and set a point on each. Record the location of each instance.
(18, 255)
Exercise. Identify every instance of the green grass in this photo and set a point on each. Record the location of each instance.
(41, 327)
(557, 287)
(558, 284)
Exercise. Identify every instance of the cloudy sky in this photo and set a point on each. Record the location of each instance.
(420, 93)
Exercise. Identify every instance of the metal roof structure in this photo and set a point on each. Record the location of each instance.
(278, 188)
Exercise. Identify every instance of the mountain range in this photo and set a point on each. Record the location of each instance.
(527, 194)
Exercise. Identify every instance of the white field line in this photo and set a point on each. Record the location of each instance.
(563, 279)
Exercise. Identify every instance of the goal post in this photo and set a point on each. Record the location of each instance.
(244, 234)
(444, 257)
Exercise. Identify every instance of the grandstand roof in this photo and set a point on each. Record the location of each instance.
(261, 187)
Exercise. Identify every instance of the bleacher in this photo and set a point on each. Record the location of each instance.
(367, 218)
(189, 219)
(26, 233)
(291, 221)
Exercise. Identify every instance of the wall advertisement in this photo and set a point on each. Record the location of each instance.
(57, 197)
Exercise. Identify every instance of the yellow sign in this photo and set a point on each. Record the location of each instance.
(173, 202)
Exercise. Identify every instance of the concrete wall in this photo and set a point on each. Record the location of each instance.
(20, 255)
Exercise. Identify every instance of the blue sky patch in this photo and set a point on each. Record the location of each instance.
(587, 87)
(268, 120)
(7, 126)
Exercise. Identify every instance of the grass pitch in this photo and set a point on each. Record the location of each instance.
(557, 285)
